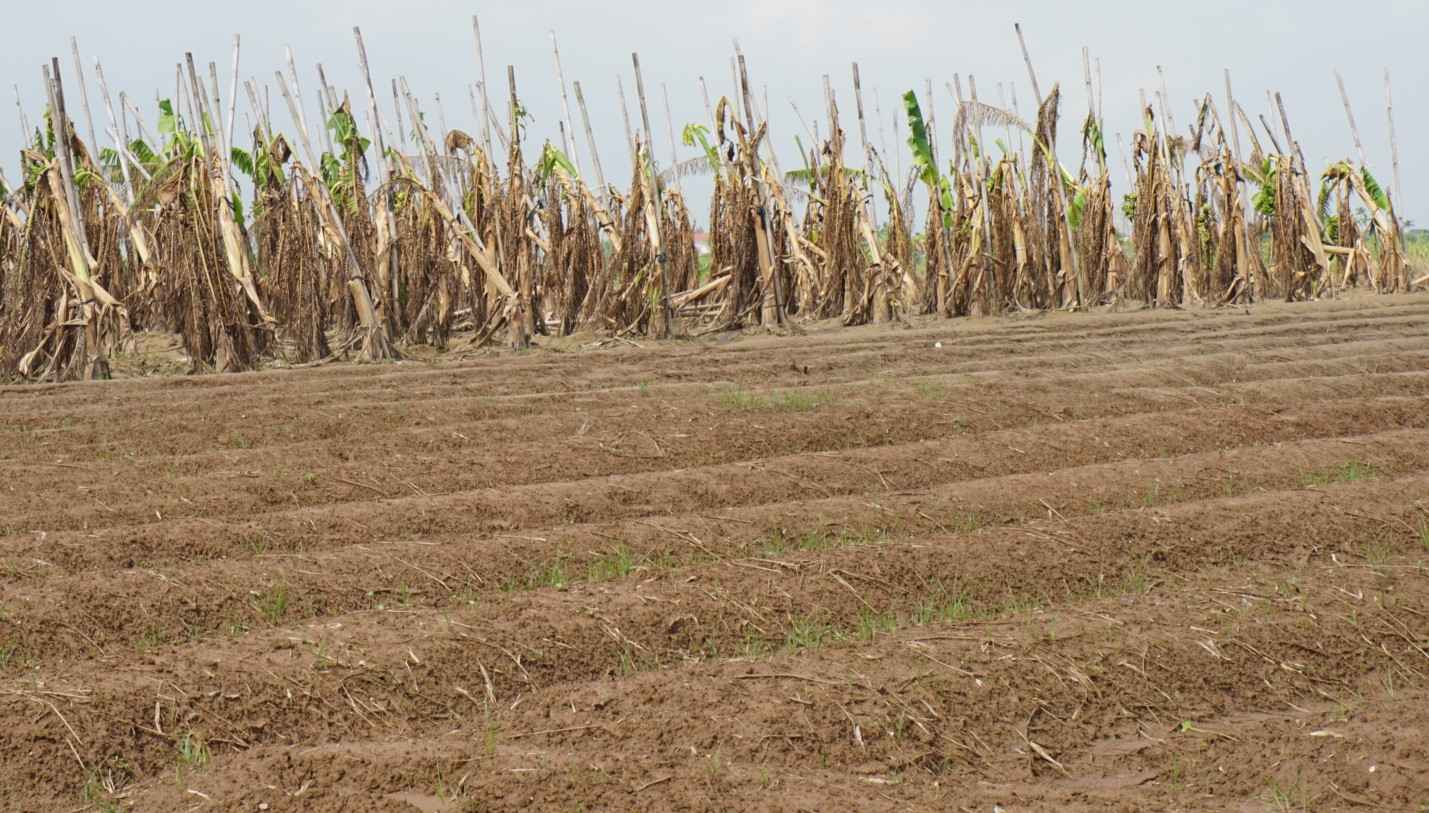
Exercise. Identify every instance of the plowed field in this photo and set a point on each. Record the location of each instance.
(1138, 561)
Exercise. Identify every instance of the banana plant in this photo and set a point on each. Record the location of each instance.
(923, 161)
(553, 160)
(340, 173)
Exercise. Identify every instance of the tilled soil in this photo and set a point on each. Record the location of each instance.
(1140, 561)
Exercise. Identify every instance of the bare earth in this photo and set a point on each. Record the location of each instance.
(1136, 561)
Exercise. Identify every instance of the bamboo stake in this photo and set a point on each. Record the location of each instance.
(1166, 111)
(326, 107)
(1083, 294)
(20, 110)
(120, 144)
(83, 93)
(326, 92)
(1101, 92)
(1398, 189)
(568, 135)
(126, 104)
(223, 157)
(1289, 138)
(389, 272)
(82, 262)
(674, 149)
(867, 148)
(1027, 58)
(437, 178)
(666, 315)
(1087, 78)
(1350, 115)
(233, 92)
(705, 94)
(625, 115)
(590, 141)
(523, 316)
(198, 105)
(485, 100)
(772, 307)
(734, 80)
(378, 343)
(55, 86)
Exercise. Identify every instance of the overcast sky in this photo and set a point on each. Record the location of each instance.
(1280, 45)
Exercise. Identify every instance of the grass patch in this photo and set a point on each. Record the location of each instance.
(549, 575)
(1378, 553)
(1352, 472)
(234, 440)
(777, 401)
(815, 541)
(930, 390)
(1424, 534)
(193, 752)
(807, 633)
(871, 624)
(272, 604)
(942, 607)
(615, 565)
(1158, 495)
(99, 792)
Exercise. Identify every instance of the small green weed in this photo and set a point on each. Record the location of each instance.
(613, 566)
(272, 604)
(1351, 472)
(778, 401)
(193, 751)
(930, 390)
(807, 633)
(870, 624)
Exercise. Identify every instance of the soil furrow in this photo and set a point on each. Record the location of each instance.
(312, 684)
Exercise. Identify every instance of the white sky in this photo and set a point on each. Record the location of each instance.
(1269, 45)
